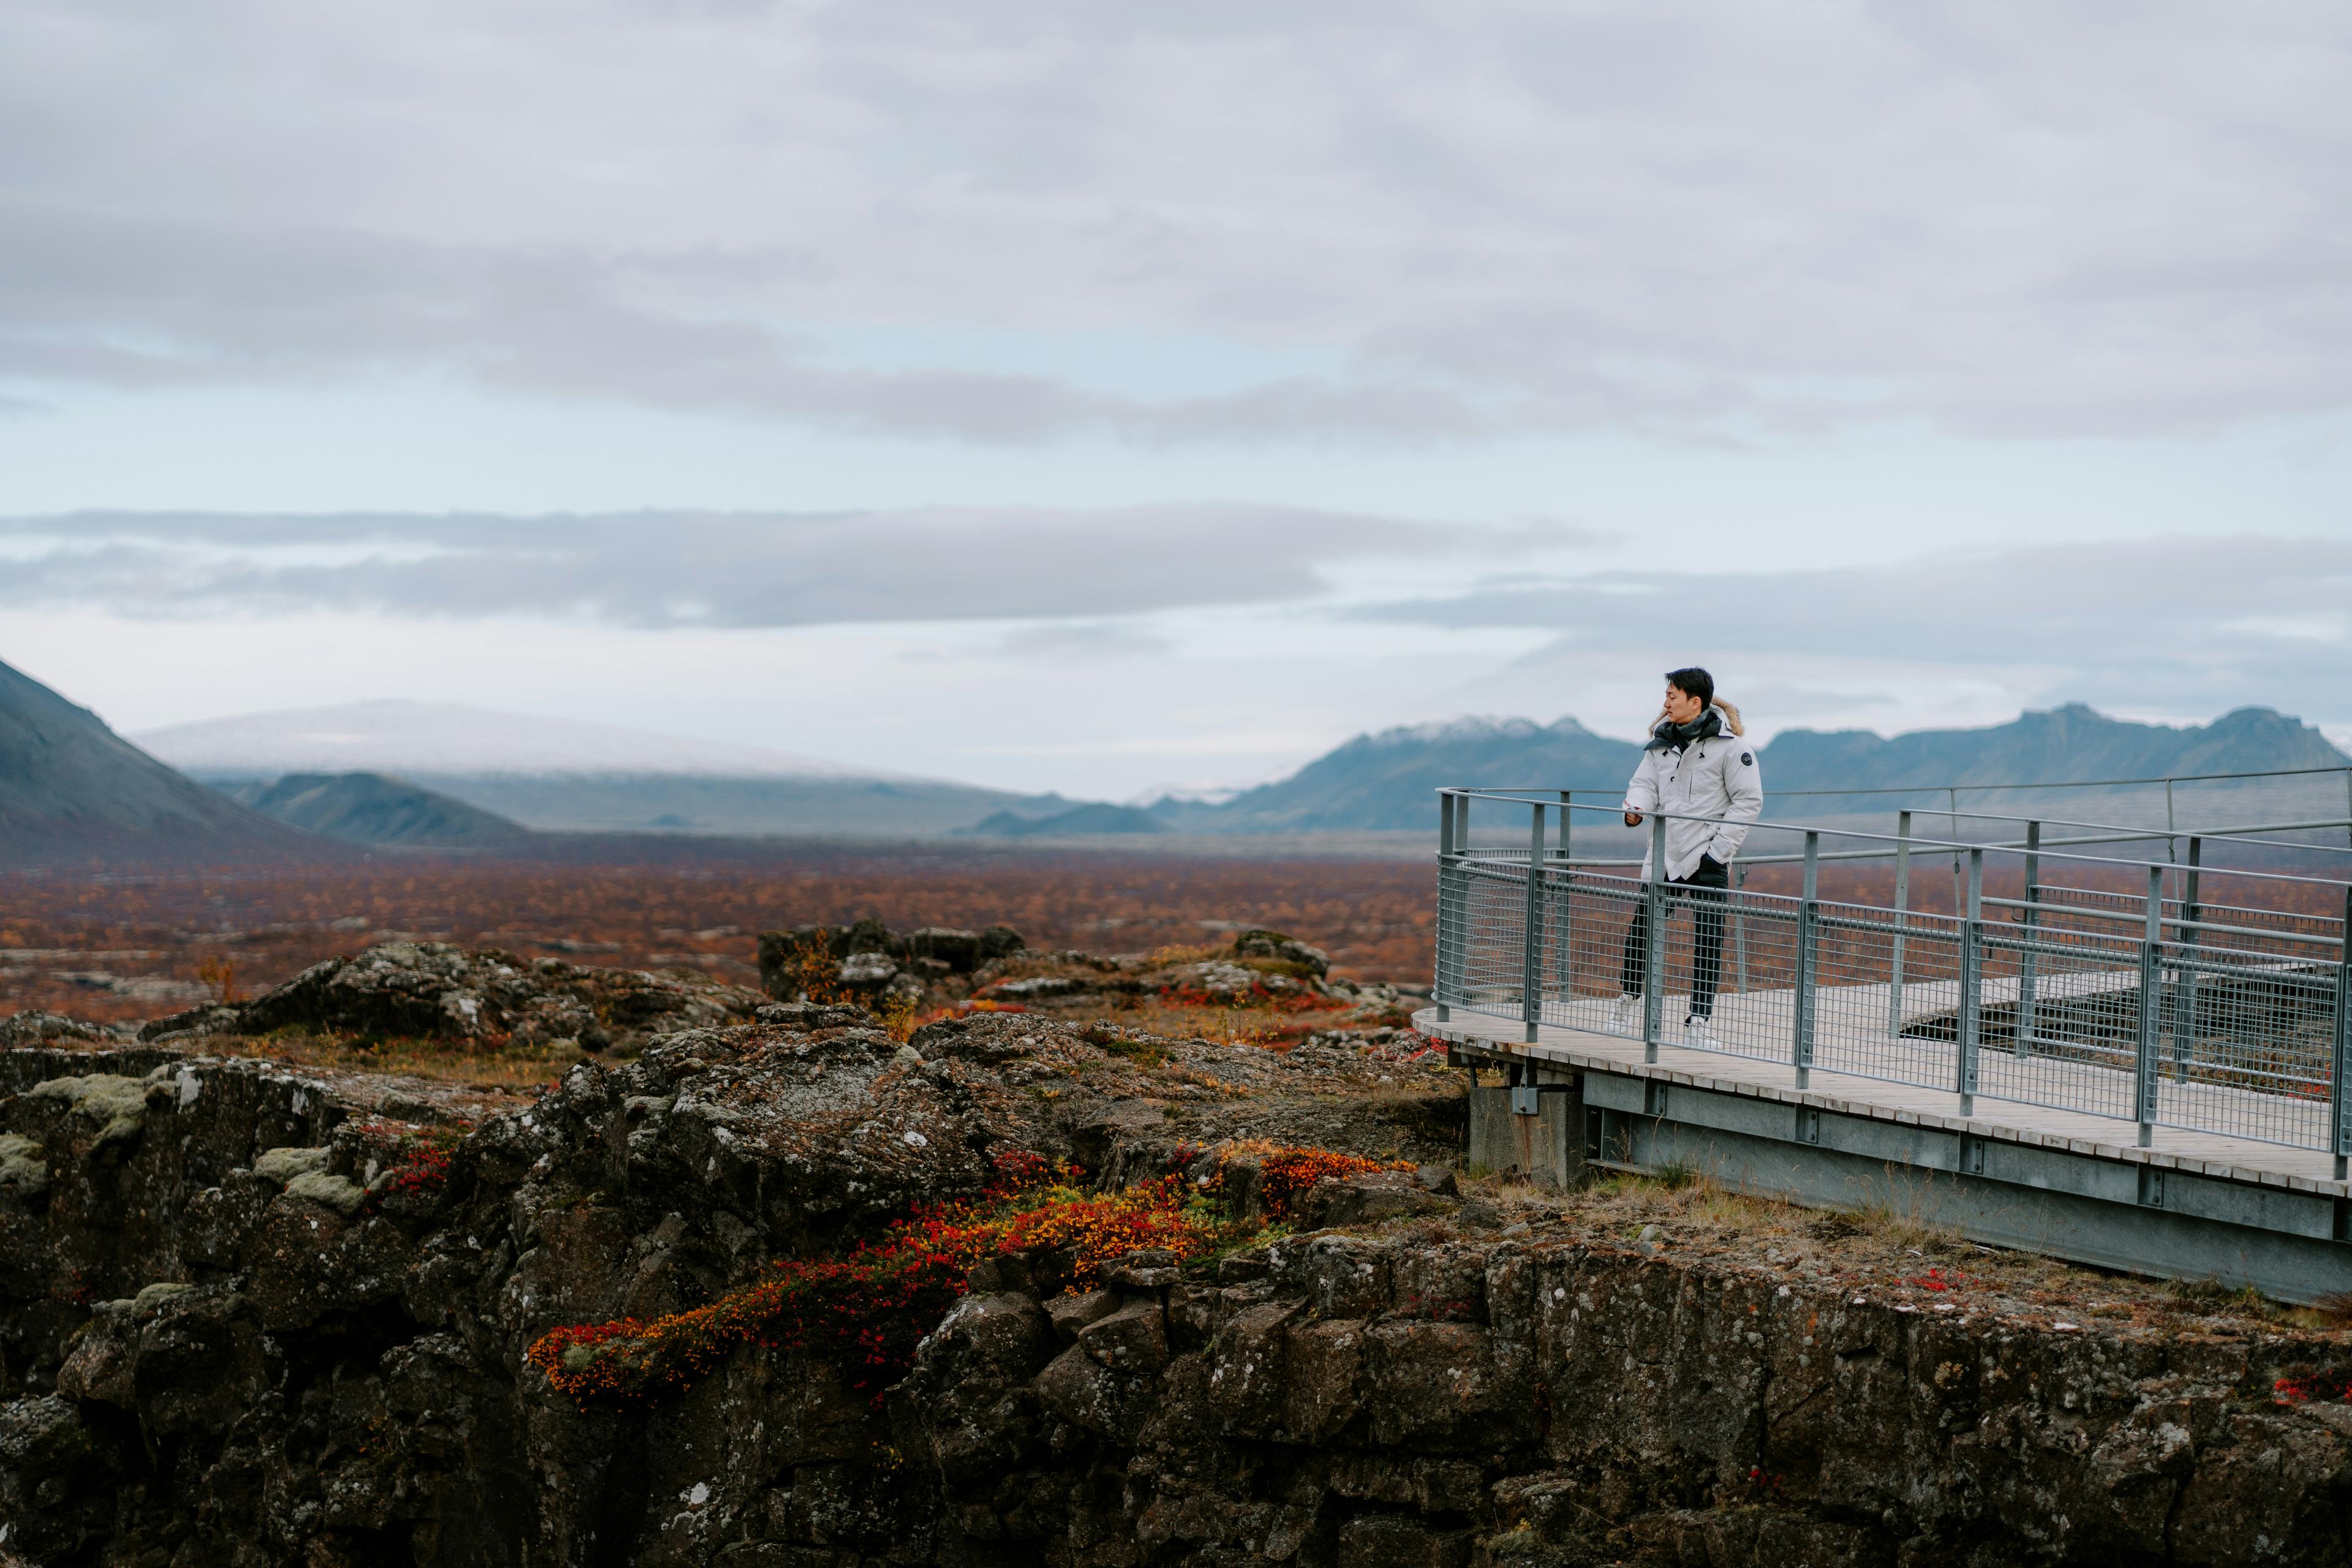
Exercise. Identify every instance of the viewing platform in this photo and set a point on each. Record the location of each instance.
(2136, 1064)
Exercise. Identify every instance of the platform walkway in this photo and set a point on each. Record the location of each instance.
(1851, 1037)
(1483, 1040)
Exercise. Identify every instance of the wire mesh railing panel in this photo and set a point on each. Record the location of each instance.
(2059, 1019)
(2247, 1045)
(1742, 991)
(1887, 995)
(1728, 963)
(2286, 932)
(1492, 972)
(1590, 916)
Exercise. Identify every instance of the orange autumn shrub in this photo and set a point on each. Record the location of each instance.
(870, 1309)
(1284, 1171)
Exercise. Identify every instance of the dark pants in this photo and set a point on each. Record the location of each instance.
(1705, 888)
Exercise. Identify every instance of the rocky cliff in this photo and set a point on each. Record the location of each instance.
(246, 1319)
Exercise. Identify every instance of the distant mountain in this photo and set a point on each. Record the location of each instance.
(411, 739)
(2074, 743)
(73, 793)
(700, 803)
(377, 809)
(1386, 780)
(1077, 820)
(560, 775)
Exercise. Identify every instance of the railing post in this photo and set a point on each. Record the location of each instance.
(1740, 924)
(1566, 968)
(1449, 913)
(1971, 1021)
(2022, 1044)
(1654, 954)
(1807, 960)
(1958, 894)
(2151, 982)
(2184, 989)
(1531, 946)
(1902, 903)
(2339, 1080)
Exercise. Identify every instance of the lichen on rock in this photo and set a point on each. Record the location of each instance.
(22, 1165)
(284, 1166)
(117, 1104)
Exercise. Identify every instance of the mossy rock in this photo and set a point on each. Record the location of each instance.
(283, 1165)
(22, 1165)
(118, 1104)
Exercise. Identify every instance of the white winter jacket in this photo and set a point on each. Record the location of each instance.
(1714, 775)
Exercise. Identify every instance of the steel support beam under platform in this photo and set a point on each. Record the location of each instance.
(2006, 1182)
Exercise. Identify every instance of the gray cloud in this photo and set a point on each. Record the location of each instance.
(1057, 641)
(2187, 627)
(1695, 217)
(149, 303)
(682, 568)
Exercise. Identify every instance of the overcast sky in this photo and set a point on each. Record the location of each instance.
(1109, 398)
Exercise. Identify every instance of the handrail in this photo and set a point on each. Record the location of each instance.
(2047, 784)
(1913, 845)
(2127, 832)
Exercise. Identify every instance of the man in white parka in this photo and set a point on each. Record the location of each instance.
(1693, 767)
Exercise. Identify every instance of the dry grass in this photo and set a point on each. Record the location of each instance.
(1620, 1201)
(1899, 1215)
(1197, 954)
(1889, 1251)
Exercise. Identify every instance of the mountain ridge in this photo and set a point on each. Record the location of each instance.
(1386, 779)
(562, 776)
(379, 810)
(74, 792)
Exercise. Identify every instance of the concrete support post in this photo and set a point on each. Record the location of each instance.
(1972, 953)
(1654, 954)
(1808, 947)
(1531, 944)
(2151, 986)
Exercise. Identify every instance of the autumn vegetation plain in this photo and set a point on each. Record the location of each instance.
(247, 931)
(69, 942)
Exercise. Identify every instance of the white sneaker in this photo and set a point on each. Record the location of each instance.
(1698, 1033)
(1625, 1016)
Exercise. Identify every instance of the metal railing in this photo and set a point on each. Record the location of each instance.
(2177, 807)
(2159, 993)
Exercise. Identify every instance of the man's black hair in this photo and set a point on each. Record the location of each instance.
(1696, 683)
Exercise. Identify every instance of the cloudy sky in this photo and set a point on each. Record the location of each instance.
(1111, 397)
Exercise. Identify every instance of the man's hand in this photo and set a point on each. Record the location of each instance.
(1632, 819)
